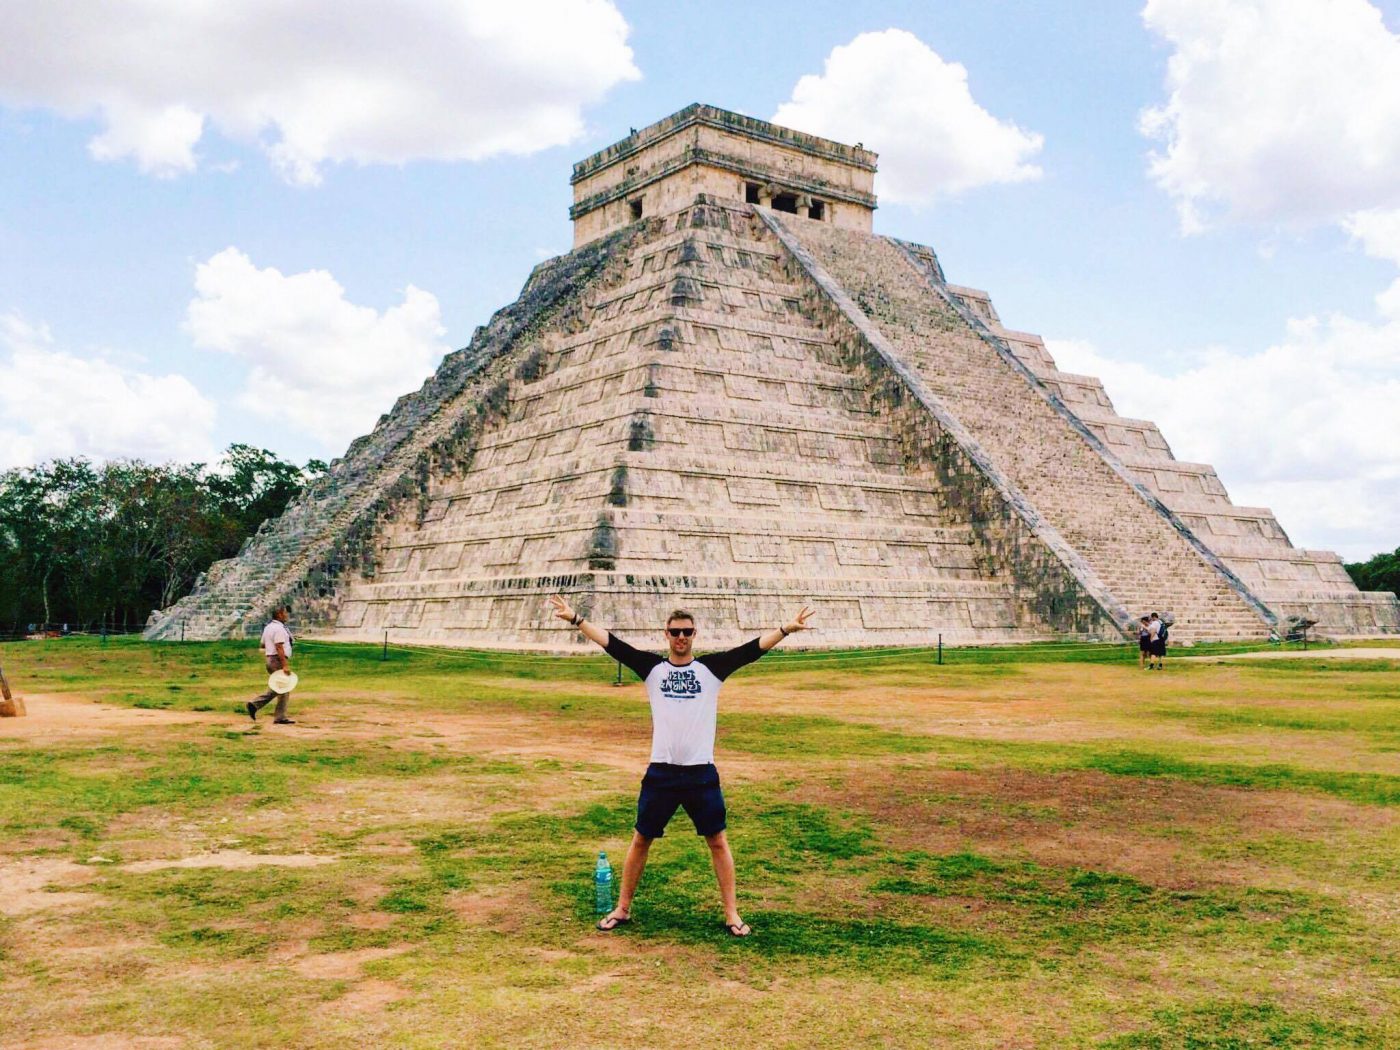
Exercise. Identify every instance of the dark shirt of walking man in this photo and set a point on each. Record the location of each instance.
(276, 644)
(683, 691)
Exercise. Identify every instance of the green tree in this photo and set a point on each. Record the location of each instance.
(254, 485)
(1381, 573)
(85, 544)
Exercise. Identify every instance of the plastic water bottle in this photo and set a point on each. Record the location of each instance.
(602, 884)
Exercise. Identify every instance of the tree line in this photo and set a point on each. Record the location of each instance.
(92, 545)
(1381, 573)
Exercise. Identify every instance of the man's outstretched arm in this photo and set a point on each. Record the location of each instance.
(564, 611)
(722, 665)
(640, 663)
(799, 623)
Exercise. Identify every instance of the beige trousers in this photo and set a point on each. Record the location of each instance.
(259, 702)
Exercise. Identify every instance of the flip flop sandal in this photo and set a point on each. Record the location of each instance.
(616, 922)
(737, 929)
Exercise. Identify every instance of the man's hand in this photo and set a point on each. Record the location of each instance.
(799, 622)
(562, 609)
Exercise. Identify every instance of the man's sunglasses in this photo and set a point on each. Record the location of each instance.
(680, 632)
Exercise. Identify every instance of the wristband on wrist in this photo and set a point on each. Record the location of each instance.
(785, 631)
(578, 620)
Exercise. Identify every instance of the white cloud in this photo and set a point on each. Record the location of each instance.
(55, 404)
(1379, 234)
(1285, 113)
(1307, 426)
(1277, 111)
(1378, 231)
(162, 142)
(319, 363)
(314, 81)
(894, 93)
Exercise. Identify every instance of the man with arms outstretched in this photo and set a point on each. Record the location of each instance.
(683, 691)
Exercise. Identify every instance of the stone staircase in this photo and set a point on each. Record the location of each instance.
(301, 556)
(1129, 549)
(700, 442)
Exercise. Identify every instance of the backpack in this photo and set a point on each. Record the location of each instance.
(1162, 634)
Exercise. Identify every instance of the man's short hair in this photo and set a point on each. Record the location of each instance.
(678, 614)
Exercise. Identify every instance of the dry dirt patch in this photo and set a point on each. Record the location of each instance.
(503, 908)
(343, 966)
(24, 882)
(372, 920)
(233, 859)
(367, 997)
(105, 1041)
(56, 718)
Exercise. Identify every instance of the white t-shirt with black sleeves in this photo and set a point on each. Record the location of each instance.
(684, 699)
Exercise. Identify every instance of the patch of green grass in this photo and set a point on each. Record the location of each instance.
(82, 826)
(1303, 668)
(813, 735)
(1378, 718)
(1067, 909)
(403, 899)
(215, 912)
(84, 788)
(232, 942)
(812, 832)
(1245, 1025)
(794, 855)
(1376, 789)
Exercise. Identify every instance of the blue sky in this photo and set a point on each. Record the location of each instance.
(164, 293)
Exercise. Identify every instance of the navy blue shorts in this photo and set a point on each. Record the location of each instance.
(666, 788)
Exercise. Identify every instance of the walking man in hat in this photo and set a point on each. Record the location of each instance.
(277, 654)
(682, 689)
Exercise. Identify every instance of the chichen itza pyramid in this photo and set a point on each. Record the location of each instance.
(732, 396)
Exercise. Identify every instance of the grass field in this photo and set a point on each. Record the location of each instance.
(1033, 848)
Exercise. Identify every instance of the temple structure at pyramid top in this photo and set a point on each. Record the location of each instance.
(733, 397)
(702, 149)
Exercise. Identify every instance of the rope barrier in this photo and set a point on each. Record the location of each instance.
(974, 654)
(800, 655)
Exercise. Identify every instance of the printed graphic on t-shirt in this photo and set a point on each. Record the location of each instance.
(680, 683)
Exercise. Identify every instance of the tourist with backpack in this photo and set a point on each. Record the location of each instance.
(1157, 629)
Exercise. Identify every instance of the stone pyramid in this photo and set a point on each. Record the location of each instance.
(731, 396)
